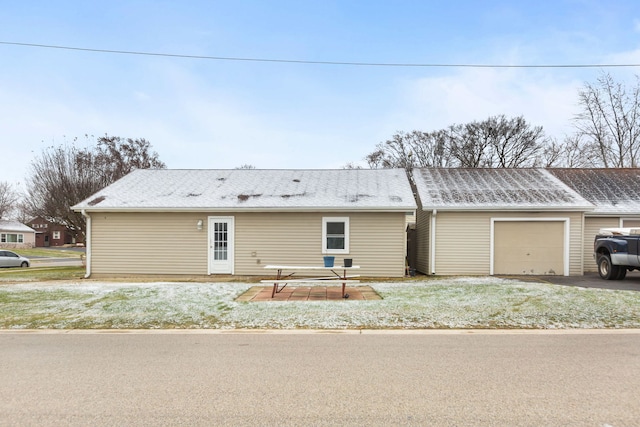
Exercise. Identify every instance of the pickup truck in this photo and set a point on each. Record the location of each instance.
(616, 252)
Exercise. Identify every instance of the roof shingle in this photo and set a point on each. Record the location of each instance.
(611, 191)
(482, 189)
(342, 189)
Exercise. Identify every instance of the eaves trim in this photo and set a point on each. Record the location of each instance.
(509, 208)
(230, 209)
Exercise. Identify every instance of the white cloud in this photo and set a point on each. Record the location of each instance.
(475, 94)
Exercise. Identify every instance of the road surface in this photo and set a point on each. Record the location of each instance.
(320, 378)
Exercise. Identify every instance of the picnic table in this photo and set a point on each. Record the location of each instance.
(285, 275)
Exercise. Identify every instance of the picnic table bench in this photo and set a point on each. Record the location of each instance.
(340, 275)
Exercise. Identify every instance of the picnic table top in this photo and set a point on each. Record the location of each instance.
(307, 267)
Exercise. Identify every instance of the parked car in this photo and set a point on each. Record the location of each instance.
(12, 259)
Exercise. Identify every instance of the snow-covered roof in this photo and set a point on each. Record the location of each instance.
(611, 191)
(254, 189)
(494, 189)
(15, 226)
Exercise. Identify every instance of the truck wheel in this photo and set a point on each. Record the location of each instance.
(622, 273)
(606, 270)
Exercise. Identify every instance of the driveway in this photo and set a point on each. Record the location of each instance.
(589, 280)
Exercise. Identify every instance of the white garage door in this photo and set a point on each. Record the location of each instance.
(528, 247)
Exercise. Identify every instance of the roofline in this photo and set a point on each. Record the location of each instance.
(609, 214)
(509, 209)
(258, 209)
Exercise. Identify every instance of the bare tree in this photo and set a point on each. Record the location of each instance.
(65, 175)
(351, 165)
(609, 122)
(117, 156)
(496, 142)
(8, 199)
(571, 153)
(470, 145)
(413, 149)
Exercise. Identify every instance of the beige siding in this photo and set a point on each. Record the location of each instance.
(591, 227)
(169, 243)
(148, 243)
(463, 240)
(462, 243)
(423, 224)
(377, 241)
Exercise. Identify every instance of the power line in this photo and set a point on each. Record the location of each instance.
(300, 61)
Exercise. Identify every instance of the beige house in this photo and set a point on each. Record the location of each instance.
(15, 235)
(498, 222)
(204, 222)
(615, 195)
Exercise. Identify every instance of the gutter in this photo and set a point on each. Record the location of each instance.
(202, 209)
(87, 243)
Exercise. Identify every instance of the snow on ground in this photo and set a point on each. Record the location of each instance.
(465, 302)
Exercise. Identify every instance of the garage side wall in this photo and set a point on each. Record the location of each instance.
(463, 240)
(171, 244)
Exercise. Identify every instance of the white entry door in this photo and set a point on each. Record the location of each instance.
(221, 245)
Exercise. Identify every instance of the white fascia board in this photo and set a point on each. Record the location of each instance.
(231, 209)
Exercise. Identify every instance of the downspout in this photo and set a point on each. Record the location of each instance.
(432, 242)
(87, 244)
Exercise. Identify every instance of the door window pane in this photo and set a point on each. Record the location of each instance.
(220, 241)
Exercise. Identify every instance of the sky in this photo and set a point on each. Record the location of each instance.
(206, 113)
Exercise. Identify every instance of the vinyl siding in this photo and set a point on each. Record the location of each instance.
(377, 242)
(463, 240)
(591, 227)
(169, 243)
(462, 243)
(148, 243)
(423, 224)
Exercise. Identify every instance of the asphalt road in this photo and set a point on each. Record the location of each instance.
(321, 379)
(591, 280)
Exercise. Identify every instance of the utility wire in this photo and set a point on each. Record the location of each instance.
(299, 61)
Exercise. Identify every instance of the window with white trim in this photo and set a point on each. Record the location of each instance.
(56, 235)
(11, 238)
(335, 235)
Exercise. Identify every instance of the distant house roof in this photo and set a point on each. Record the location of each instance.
(494, 189)
(14, 226)
(254, 189)
(611, 191)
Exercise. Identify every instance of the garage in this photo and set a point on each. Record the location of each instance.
(529, 247)
(498, 221)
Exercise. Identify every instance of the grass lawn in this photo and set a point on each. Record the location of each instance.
(48, 253)
(35, 273)
(434, 303)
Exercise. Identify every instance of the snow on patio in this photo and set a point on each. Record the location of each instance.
(463, 302)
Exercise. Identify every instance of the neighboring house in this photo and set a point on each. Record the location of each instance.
(498, 221)
(50, 234)
(615, 194)
(199, 222)
(16, 235)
